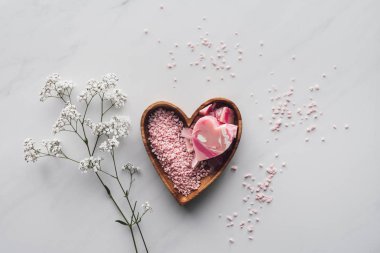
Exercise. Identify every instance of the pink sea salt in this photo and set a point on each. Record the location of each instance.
(234, 168)
(170, 148)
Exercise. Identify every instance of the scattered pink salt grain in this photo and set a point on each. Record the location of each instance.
(234, 168)
(346, 126)
(264, 198)
(169, 147)
(247, 176)
(250, 238)
(231, 240)
(311, 128)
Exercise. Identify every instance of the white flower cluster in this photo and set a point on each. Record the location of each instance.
(109, 144)
(31, 152)
(131, 168)
(90, 164)
(68, 114)
(110, 79)
(94, 87)
(53, 147)
(116, 97)
(146, 206)
(114, 129)
(55, 87)
(117, 126)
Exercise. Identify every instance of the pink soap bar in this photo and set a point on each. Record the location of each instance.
(207, 110)
(210, 138)
(225, 115)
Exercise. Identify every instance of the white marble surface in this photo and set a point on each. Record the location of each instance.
(327, 199)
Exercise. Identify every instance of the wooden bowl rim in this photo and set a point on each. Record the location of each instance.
(205, 182)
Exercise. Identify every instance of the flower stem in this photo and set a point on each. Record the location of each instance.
(133, 237)
(127, 197)
(137, 224)
(85, 140)
(119, 209)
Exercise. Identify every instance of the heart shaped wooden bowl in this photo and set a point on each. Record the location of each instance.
(220, 162)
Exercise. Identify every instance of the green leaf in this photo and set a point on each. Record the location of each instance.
(121, 222)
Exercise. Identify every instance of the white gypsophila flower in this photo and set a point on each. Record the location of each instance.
(116, 97)
(109, 144)
(95, 87)
(111, 80)
(90, 164)
(54, 87)
(131, 168)
(64, 87)
(146, 206)
(48, 89)
(96, 128)
(117, 126)
(31, 152)
(68, 114)
(53, 147)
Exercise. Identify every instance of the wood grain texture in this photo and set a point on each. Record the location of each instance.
(220, 162)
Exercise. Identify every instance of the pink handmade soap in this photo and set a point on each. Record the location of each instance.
(207, 110)
(224, 115)
(210, 138)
